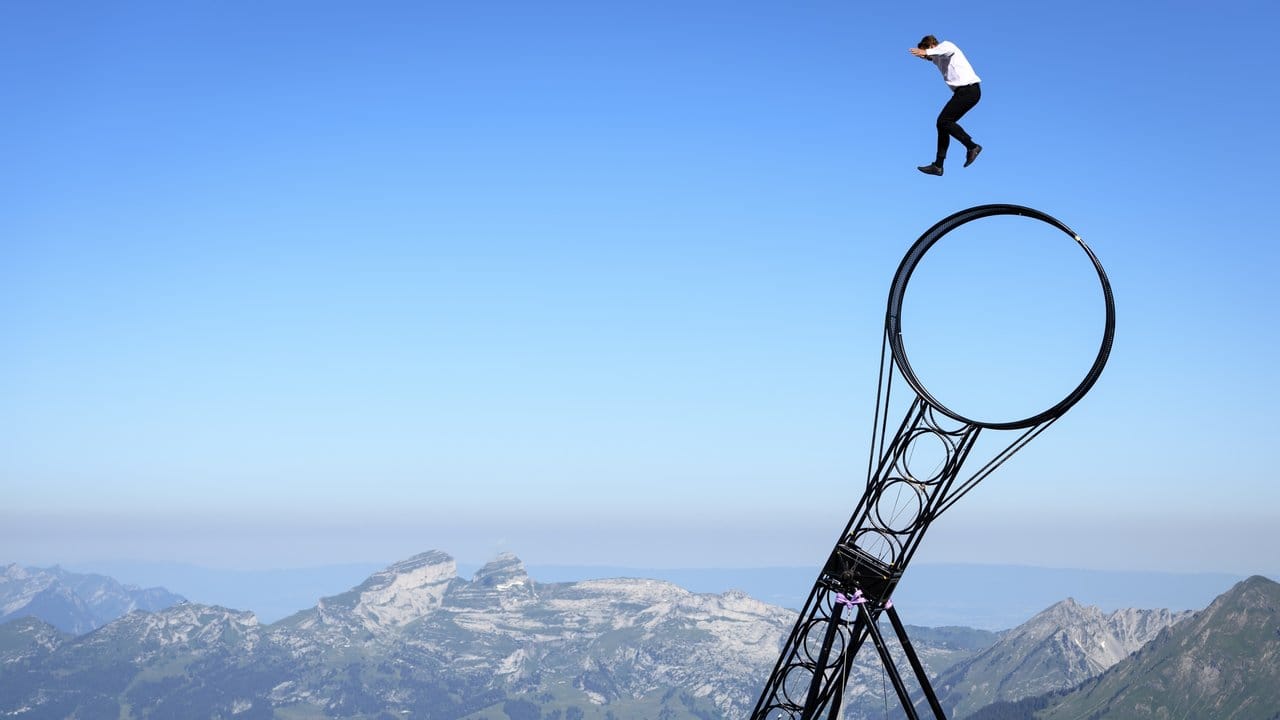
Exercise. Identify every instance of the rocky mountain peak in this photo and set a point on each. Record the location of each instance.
(1253, 592)
(430, 561)
(1258, 582)
(393, 597)
(419, 575)
(1065, 611)
(72, 602)
(1061, 646)
(27, 638)
(502, 570)
(1107, 637)
(502, 582)
(190, 626)
(1223, 662)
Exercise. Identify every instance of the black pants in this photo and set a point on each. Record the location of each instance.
(962, 101)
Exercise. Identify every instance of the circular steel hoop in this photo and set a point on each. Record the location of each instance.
(893, 320)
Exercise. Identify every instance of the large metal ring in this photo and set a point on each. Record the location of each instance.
(893, 320)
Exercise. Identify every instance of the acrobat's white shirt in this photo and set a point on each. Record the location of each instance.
(955, 67)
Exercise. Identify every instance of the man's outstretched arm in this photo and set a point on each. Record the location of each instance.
(944, 48)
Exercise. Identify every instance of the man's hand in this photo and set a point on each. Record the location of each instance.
(919, 53)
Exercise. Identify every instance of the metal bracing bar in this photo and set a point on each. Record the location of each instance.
(812, 703)
(877, 425)
(846, 667)
(916, 665)
(995, 463)
(885, 659)
(777, 676)
(835, 692)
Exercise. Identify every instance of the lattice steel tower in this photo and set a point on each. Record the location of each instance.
(854, 587)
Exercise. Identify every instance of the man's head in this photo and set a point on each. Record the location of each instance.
(927, 42)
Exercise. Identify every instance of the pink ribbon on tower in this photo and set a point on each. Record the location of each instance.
(851, 601)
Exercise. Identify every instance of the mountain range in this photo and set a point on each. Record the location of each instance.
(1222, 663)
(413, 639)
(416, 640)
(73, 602)
(994, 597)
(1059, 648)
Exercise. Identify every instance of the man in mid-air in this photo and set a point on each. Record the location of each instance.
(965, 93)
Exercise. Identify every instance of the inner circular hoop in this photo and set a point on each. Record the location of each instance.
(897, 291)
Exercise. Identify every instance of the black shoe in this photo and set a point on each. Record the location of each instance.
(930, 169)
(972, 155)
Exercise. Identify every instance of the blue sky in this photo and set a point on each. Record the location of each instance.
(299, 283)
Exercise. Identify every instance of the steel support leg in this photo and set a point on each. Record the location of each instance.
(900, 687)
(916, 665)
(819, 673)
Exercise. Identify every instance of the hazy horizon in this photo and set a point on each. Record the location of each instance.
(935, 594)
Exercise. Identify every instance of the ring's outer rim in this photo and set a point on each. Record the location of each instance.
(897, 291)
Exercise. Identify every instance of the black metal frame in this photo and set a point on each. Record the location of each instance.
(894, 512)
(897, 291)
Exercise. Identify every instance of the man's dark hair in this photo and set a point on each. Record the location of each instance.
(926, 42)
